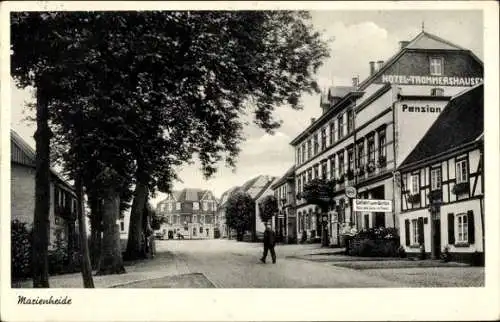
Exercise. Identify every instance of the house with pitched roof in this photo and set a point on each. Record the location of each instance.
(254, 187)
(284, 192)
(62, 212)
(365, 132)
(442, 183)
(189, 213)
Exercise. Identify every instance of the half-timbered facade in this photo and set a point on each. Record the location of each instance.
(441, 183)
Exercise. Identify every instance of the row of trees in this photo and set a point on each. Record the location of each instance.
(123, 98)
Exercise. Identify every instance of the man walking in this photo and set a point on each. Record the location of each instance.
(269, 242)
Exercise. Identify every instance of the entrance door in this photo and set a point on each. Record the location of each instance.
(436, 222)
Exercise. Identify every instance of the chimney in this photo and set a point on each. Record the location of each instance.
(379, 64)
(313, 119)
(403, 43)
(372, 67)
(355, 82)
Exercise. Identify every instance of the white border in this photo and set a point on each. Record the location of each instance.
(270, 304)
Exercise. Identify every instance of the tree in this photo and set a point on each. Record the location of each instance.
(268, 208)
(240, 211)
(320, 192)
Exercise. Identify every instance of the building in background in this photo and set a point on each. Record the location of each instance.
(259, 226)
(367, 130)
(62, 212)
(286, 221)
(253, 187)
(189, 213)
(442, 186)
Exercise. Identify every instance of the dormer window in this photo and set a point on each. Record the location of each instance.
(436, 66)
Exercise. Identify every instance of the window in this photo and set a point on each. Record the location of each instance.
(350, 121)
(202, 219)
(340, 128)
(194, 218)
(350, 159)
(371, 149)
(461, 171)
(298, 156)
(122, 226)
(382, 143)
(332, 133)
(341, 163)
(205, 206)
(332, 167)
(323, 169)
(169, 206)
(309, 149)
(462, 228)
(299, 183)
(415, 184)
(316, 144)
(309, 174)
(436, 179)
(178, 206)
(405, 182)
(323, 139)
(414, 232)
(437, 92)
(201, 230)
(316, 171)
(196, 206)
(303, 153)
(436, 65)
(361, 154)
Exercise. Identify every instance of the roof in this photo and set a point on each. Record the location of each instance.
(265, 187)
(254, 187)
(188, 194)
(339, 91)
(423, 41)
(460, 123)
(23, 153)
(289, 173)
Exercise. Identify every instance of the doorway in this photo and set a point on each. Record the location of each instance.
(436, 229)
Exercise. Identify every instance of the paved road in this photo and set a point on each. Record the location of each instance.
(231, 264)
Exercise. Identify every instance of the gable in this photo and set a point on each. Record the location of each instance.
(428, 41)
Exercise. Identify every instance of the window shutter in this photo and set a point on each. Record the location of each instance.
(451, 229)
(421, 230)
(470, 226)
(407, 232)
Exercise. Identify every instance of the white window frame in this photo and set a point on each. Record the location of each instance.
(415, 184)
(435, 182)
(461, 228)
(202, 219)
(177, 206)
(170, 206)
(205, 206)
(460, 167)
(414, 232)
(436, 63)
(196, 206)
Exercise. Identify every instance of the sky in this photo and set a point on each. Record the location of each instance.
(357, 38)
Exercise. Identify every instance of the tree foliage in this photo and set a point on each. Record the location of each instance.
(240, 211)
(320, 192)
(268, 208)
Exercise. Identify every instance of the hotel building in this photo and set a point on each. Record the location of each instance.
(366, 130)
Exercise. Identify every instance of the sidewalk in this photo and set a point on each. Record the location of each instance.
(165, 264)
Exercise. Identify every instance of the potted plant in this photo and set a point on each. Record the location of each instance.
(382, 161)
(414, 198)
(370, 167)
(435, 195)
(341, 178)
(460, 188)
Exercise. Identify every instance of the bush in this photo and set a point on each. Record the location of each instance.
(20, 248)
(401, 252)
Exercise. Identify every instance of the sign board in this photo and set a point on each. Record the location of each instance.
(373, 205)
(431, 80)
(350, 192)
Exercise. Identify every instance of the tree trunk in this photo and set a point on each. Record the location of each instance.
(111, 261)
(88, 282)
(41, 223)
(135, 245)
(95, 231)
(71, 242)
